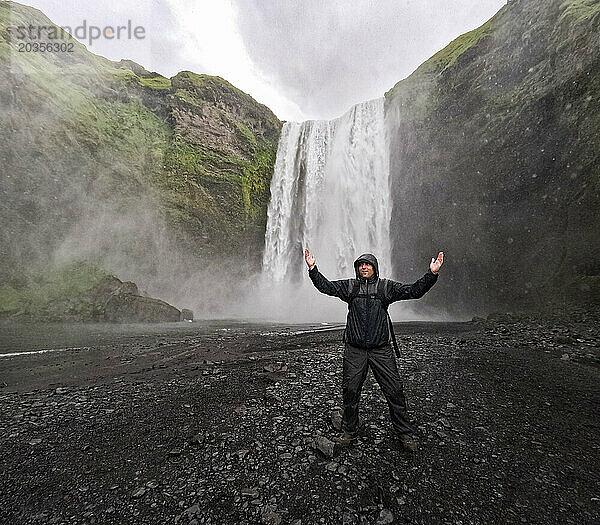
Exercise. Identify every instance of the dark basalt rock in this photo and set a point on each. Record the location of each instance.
(129, 308)
(186, 315)
(494, 159)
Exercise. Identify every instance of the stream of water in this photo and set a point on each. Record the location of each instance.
(330, 193)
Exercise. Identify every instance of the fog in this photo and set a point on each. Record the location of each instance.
(73, 196)
(304, 60)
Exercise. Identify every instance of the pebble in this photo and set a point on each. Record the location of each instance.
(274, 440)
(139, 492)
(324, 445)
(385, 517)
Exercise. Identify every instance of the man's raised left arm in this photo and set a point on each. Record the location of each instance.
(398, 291)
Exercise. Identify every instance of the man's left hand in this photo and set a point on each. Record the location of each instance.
(436, 264)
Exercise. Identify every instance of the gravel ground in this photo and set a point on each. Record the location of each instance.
(235, 428)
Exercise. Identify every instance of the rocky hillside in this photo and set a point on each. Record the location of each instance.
(81, 292)
(146, 176)
(496, 160)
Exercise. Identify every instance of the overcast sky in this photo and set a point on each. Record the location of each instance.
(305, 59)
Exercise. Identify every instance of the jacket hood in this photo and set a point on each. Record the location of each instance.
(371, 259)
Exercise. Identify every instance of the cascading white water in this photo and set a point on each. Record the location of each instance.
(330, 193)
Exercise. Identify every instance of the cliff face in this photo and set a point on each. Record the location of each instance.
(107, 162)
(496, 160)
(225, 145)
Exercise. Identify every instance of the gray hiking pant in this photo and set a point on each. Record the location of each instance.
(383, 364)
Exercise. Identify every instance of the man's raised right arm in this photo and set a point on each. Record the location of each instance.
(324, 285)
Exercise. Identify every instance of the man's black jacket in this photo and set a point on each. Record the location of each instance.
(367, 322)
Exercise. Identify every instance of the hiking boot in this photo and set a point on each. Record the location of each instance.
(408, 442)
(336, 420)
(345, 439)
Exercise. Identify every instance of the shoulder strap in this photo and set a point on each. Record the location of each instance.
(381, 295)
(381, 289)
(394, 342)
(354, 289)
(352, 294)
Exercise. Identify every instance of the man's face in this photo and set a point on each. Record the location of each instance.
(365, 269)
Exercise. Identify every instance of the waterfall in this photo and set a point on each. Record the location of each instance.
(330, 193)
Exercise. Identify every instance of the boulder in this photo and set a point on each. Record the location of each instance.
(186, 315)
(131, 308)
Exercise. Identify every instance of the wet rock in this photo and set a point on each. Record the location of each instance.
(331, 467)
(336, 419)
(445, 423)
(269, 516)
(275, 367)
(272, 398)
(349, 518)
(385, 517)
(324, 445)
(186, 315)
(124, 307)
(189, 516)
(139, 492)
(196, 439)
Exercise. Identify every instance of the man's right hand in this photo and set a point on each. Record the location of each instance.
(309, 258)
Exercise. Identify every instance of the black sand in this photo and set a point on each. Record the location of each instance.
(221, 428)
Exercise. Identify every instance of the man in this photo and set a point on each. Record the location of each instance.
(367, 338)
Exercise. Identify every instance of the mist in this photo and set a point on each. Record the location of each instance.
(86, 182)
(130, 236)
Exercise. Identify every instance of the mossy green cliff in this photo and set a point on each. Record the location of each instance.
(144, 162)
(496, 160)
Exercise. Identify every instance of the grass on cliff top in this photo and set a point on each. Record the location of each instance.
(447, 57)
(203, 83)
(156, 82)
(213, 88)
(572, 11)
(68, 282)
(577, 11)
